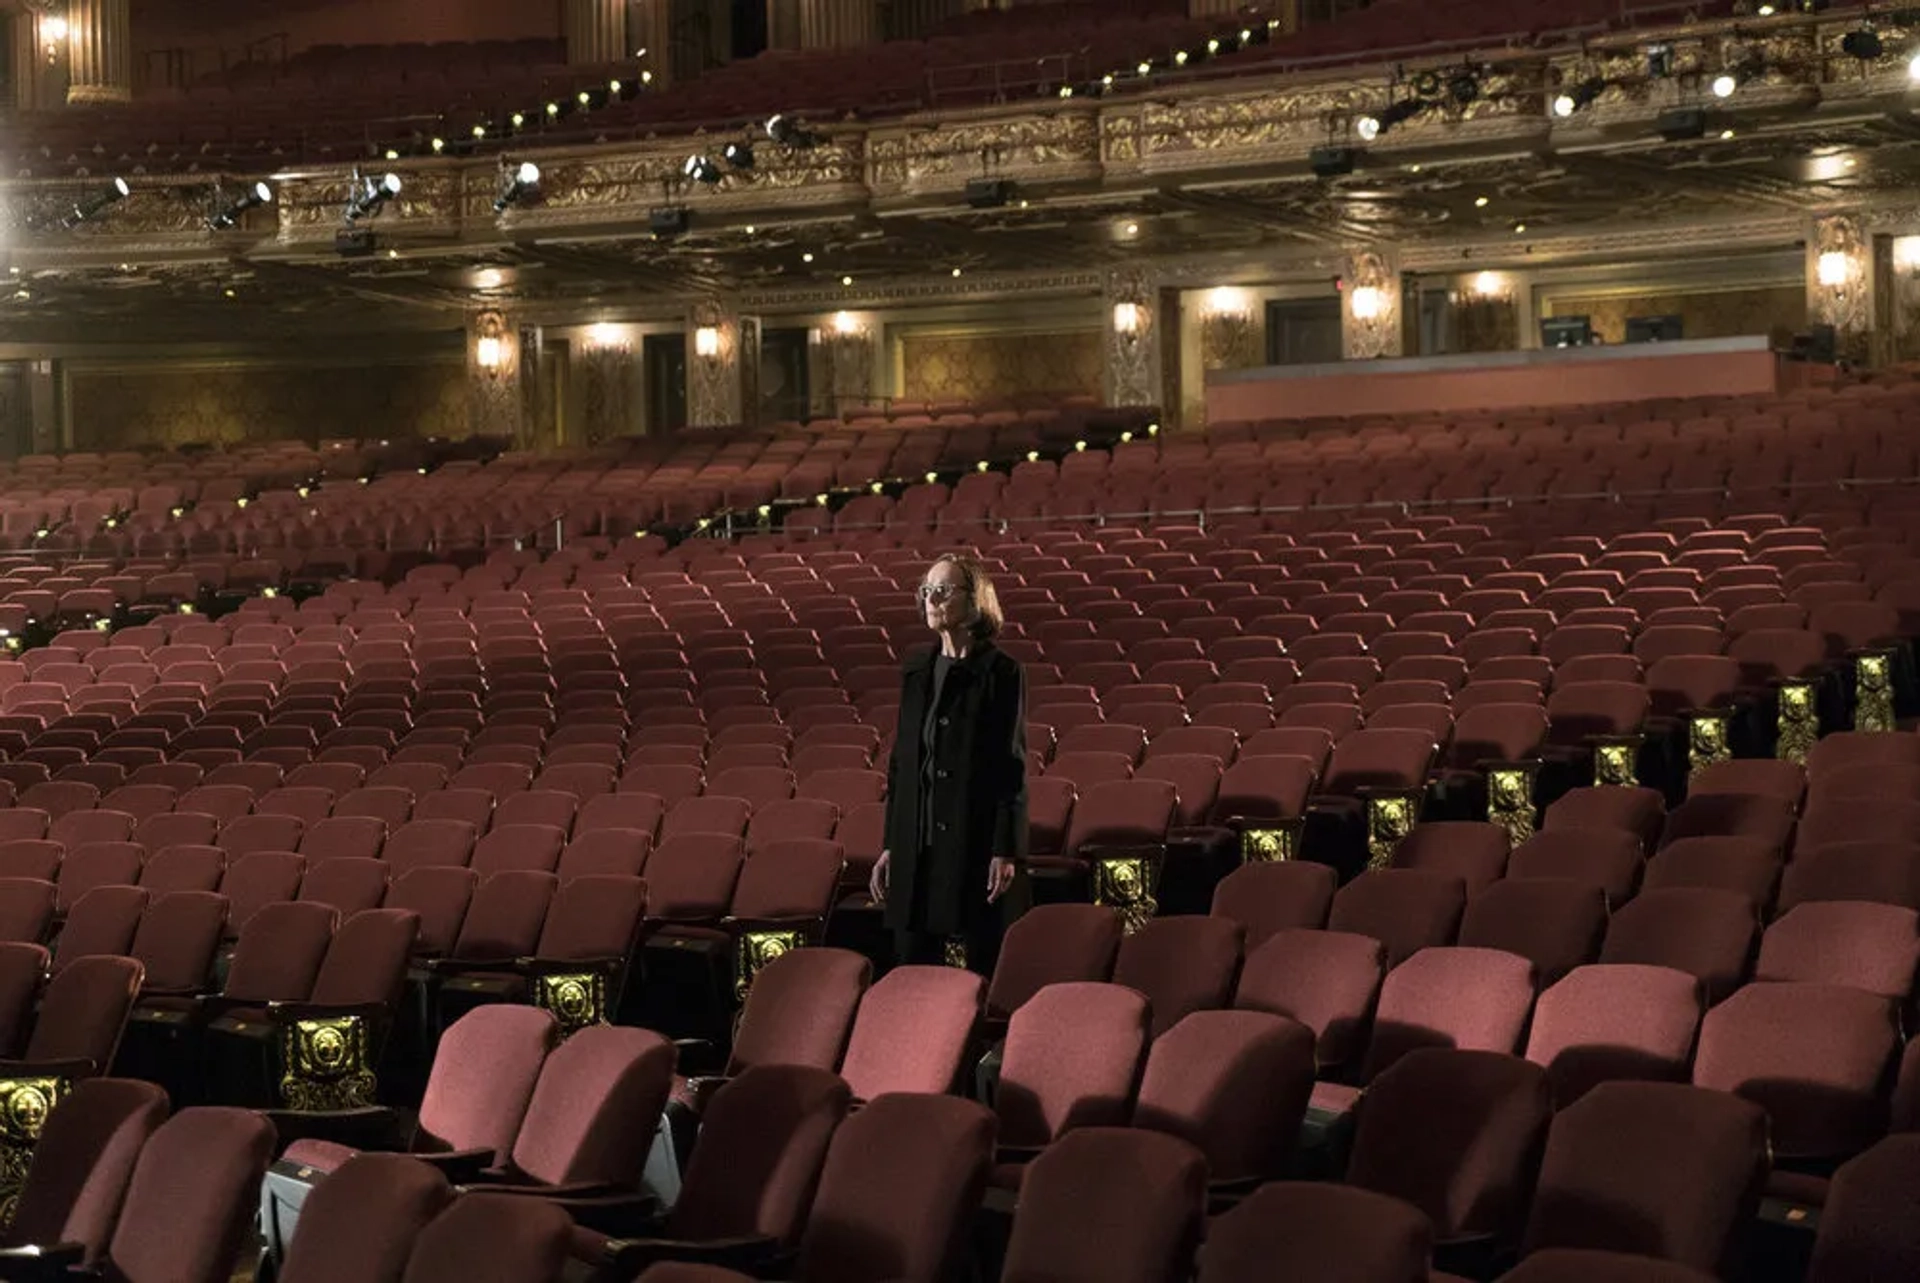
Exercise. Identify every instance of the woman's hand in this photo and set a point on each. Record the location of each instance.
(877, 880)
(999, 878)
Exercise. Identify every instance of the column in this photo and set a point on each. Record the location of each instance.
(842, 355)
(1370, 307)
(596, 32)
(496, 400)
(100, 45)
(838, 24)
(783, 24)
(1840, 284)
(1132, 312)
(723, 366)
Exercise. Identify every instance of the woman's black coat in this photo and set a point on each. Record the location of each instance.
(979, 789)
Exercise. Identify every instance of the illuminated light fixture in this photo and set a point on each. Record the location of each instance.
(846, 323)
(1479, 202)
(1766, 10)
(1370, 127)
(1580, 97)
(369, 195)
(1913, 67)
(1033, 456)
(1079, 447)
(846, 280)
(956, 273)
(1832, 268)
(1519, 228)
(806, 256)
(255, 196)
(876, 488)
(1126, 438)
(739, 155)
(1741, 69)
(706, 341)
(489, 353)
(1129, 318)
(932, 477)
(522, 185)
(980, 466)
(391, 154)
(42, 533)
(1153, 429)
(1863, 43)
(114, 192)
(701, 169)
(269, 593)
(788, 132)
(479, 132)
(303, 491)
(1180, 58)
(186, 608)
(1367, 303)
(703, 523)
(438, 145)
(103, 625)
(518, 120)
(176, 512)
(1463, 87)
(764, 510)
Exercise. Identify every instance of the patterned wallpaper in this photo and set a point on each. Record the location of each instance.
(167, 405)
(1706, 315)
(993, 367)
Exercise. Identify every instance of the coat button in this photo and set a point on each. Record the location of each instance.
(940, 775)
(940, 826)
(944, 721)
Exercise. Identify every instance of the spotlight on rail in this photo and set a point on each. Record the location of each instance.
(1372, 126)
(1863, 43)
(788, 132)
(739, 155)
(701, 169)
(96, 205)
(228, 217)
(370, 195)
(1579, 97)
(522, 185)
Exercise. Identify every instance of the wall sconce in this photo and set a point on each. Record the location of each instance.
(1489, 285)
(1832, 268)
(1225, 300)
(605, 336)
(1129, 319)
(1906, 252)
(53, 34)
(1367, 302)
(706, 341)
(490, 353)
(846, 323)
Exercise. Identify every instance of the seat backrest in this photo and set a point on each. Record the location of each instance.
(1867, 1229)
(902, 1179)
(1182, 963)
(1466, 998)
(491, 1236)
(1875, 947)
(1455, 1134)
(103, 921)
(483, 1076)
(1072, 1059)
(82, 1163)
(280, 952)
(911, 1031)
(362, 1221)
(1657, 1169)
(1235, 1084)
(594, 1110)
(1404, 909)
(1699, 930)
(177, 939)
(1108, 1205)
(763, 1139)
(85, 1010)
(1052, 944)
(367, 959)
(1615, 1021)
(505, 915)
(800, 1009)
(192, 1197)
(1314, 1230)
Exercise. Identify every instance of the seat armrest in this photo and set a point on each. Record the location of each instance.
(746, 1253)
(44, 1264)
(76, 1068)
(460, 1166)
(287, 1013)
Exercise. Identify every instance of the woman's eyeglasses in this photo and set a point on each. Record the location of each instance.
(940, 592)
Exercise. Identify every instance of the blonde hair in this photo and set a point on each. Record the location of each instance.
(988, 618)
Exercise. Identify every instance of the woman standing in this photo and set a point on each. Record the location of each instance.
(957, 783)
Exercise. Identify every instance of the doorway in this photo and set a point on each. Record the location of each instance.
(665, 359)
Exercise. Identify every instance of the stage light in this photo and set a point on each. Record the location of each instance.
(739, 155)
(1766, 10)
(1862, 43)
(1368, 127)
(522, 185)
(789, 132)
(1463, 88)
(115, 192)
(369, 195)
(701, 169)
(1578, 98)
(1743, 68)
(1371, 127)
(1659, 61)
(255, 196)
